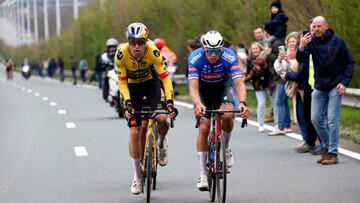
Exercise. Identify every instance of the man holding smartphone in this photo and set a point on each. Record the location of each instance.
(334, 66)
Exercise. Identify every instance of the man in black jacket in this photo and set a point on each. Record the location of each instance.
(334, 66)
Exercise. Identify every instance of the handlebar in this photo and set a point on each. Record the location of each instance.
(219, 111)
(155, 113)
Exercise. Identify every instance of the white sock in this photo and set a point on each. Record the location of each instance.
(136, 166)
(226, 137)
(202, 158)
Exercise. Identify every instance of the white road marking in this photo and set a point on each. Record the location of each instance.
(37, 94)
(80, 151)
(29, 91)
(61, 111)
(271, 128)
(45, 98)
(23, 88)
(53, 104)
(70, 125)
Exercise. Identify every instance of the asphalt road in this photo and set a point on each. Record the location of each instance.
(45, 127)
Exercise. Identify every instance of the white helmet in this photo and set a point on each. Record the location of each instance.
(212, 40)
(112, 42)
(137, 31)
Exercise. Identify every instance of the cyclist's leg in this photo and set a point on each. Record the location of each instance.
(202, 147)
(134, 123)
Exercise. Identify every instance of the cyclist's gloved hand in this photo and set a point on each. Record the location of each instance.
(244, 110)
(129, 109)
(171, 108)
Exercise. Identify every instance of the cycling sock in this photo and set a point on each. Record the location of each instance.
(161, 140)
(226, 137)
(202, 157)
(136, 166)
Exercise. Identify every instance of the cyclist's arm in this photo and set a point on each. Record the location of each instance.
(122, 76)
(240, 89)
(163, 75)
(194, 92)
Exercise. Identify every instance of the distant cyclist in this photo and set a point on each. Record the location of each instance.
(171, 60)
(107, 64)
(212, 69)
(139, 67)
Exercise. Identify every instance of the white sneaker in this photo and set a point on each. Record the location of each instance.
(136, 186)
(229, 157)
(203, 184)
(163, 154)
(261, 129)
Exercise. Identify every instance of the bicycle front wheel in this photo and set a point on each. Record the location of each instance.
(149, 169)
(221, 171)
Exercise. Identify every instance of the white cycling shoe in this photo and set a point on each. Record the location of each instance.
(229, 157)
(163, 154)
(136, 186)
(203, 184)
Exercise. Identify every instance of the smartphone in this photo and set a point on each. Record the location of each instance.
(282, 49)
(304, 32)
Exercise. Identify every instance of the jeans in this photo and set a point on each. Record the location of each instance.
(283, 110)
(300, 116)
(325, 115)
(261, 106)
(272, 94)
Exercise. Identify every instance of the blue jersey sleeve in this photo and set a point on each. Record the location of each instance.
(193, 66)
(230, 57)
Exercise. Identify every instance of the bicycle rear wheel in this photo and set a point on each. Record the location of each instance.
(221, 171)
(149, 169)
(211, 173)
(154, 171)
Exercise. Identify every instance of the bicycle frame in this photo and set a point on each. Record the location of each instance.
(150, 133)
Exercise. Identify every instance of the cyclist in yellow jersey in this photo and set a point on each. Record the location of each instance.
(139, 67)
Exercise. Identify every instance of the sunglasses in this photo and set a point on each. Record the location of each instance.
(139, 42)
(212, 51)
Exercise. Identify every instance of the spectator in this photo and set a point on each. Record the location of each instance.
(61, 68)
(51, 67)
(274, 52)
(277, 25)
(285, 62)
(73, 67)
(258, 72)
(333, 66)
(262, 37)
(98, 70)
(83, 66)
(9, 70)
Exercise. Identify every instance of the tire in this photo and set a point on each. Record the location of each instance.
(155, 158)
(211, 175)
(149, 169)
(105, 89)
(221, 175)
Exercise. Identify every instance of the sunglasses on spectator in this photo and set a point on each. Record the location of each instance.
(212, 51)
(139, 42)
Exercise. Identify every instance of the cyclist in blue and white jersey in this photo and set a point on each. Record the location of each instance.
(212, 69)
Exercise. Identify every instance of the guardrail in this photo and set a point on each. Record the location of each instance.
(350, 99)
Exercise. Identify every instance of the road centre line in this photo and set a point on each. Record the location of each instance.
(53, 104)
(70, 125)
(80, 151)
(271, 128)
(61, 111)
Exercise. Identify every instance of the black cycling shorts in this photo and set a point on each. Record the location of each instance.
(214, 95)
(138, 91)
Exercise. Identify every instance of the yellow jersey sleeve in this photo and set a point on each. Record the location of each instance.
(161, 69)
(122, 75)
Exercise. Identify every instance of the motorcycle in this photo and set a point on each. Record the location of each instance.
(26, 71)
(114, 97)
(110, 90)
